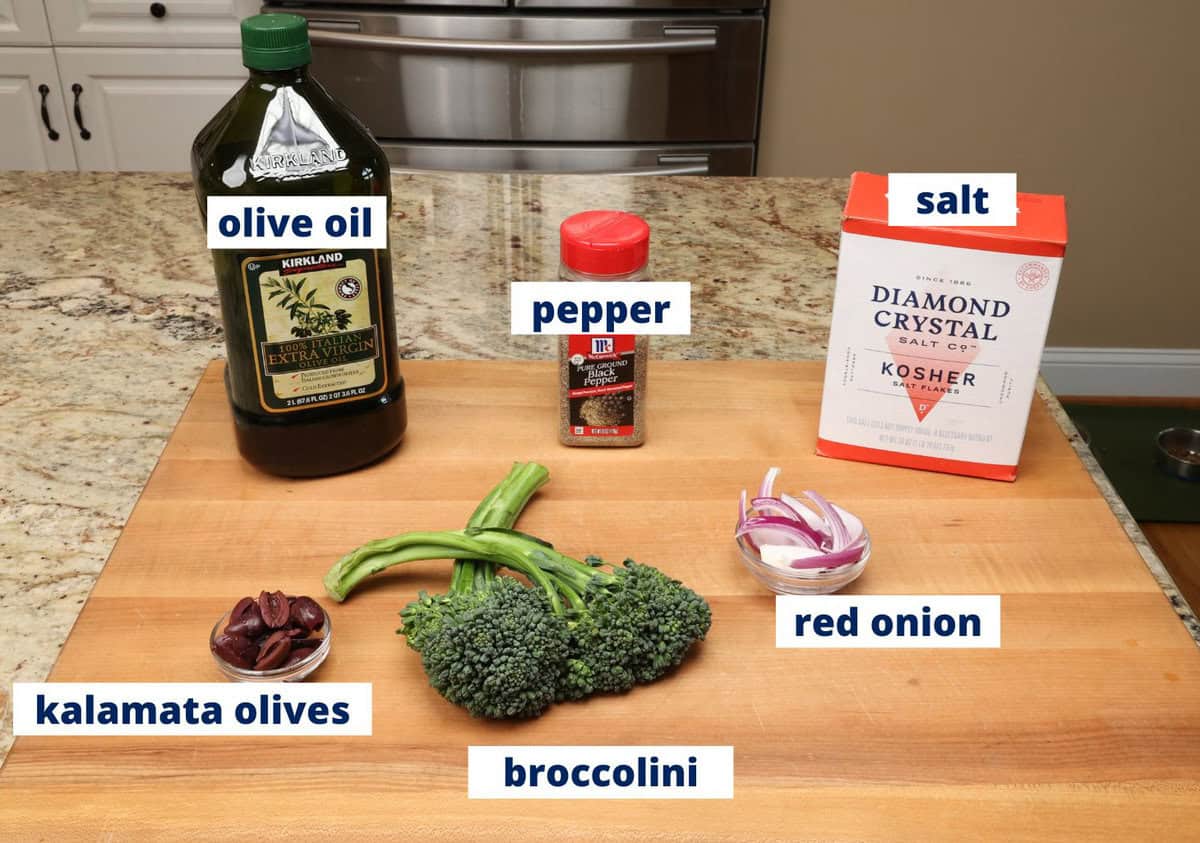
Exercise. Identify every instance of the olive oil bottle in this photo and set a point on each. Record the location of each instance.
(310, 336)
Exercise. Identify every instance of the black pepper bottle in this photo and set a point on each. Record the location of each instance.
(602, 378)
(313, 374)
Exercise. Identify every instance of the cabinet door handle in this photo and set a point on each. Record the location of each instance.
(158, 10)
(77, 89)
(44, 90)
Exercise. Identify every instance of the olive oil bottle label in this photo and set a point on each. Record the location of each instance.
(315, 322)
(601, 376)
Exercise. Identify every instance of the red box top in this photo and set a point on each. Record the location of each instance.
(1041, 227)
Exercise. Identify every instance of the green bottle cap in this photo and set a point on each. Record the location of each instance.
(275, 42)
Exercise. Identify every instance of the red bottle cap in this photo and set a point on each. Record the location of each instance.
(604, 242)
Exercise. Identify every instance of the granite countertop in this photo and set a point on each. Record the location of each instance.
(111, 313)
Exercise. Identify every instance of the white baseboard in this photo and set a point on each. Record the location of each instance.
(1167, 372)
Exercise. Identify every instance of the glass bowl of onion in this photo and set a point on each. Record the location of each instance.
(796, 547)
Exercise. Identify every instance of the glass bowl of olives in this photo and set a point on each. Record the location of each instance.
(271, 638)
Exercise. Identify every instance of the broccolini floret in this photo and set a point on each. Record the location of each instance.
(498, 653)
(490, 644)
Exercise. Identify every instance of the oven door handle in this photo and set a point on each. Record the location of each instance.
(668, 165)
(674, 40)
(689, 170)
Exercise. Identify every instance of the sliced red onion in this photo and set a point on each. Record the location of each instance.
(837, 527)
(779, 507)
(804, 536)
(804, 558)
(779, 530)
(813, 519)
(774, 506)
(837, 559)
(854, 524)
(768, 483)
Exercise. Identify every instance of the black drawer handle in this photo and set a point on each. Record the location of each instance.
(77, 89)
(158, 10)
(44, 90)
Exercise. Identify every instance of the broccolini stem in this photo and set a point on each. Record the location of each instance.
(568, 591)
(463, 578)
(500, 508)
(354, 567)
(563, 568)
(504, 503)
(375, 556)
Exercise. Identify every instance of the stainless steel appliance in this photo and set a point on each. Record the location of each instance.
(613, 86)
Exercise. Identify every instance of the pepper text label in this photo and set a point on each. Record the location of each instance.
(601, 307)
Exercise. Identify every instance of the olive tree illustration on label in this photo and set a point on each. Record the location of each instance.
(311, 316)
(315, 321)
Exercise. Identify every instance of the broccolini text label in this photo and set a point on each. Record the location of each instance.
(600, 772)
(191, 708)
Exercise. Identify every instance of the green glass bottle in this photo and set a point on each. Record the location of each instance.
(313, 373)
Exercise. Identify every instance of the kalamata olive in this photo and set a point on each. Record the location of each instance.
(307, 613)
(251, 626)
(274, 652)
(246, 619)
(246, 604)
(296, 657)
(237, 650)
(305, 643)
(274, 609)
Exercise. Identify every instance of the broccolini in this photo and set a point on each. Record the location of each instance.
(502, 649)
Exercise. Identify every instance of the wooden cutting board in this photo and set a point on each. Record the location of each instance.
(1086, 723)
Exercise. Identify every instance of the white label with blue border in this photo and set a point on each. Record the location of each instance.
(297, 222)
(952, 199)
(600, 772)
(191, 708)
(601, 307)
(895, 621)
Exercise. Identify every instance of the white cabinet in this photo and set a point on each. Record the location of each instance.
(23, 22)
(183, 23)
(114, 84)
(141, 109)
(29, 84)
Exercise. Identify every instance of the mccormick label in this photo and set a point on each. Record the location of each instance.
(600, 384)
(937, 336)
(315, 322)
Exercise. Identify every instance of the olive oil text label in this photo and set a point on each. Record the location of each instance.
(297, 222)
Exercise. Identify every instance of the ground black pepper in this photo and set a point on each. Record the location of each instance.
(602, 378)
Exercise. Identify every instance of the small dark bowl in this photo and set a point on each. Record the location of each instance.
(1178, 452)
